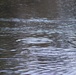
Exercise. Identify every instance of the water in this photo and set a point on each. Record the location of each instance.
(37, 37)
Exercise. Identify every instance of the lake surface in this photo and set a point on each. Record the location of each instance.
(38, 37)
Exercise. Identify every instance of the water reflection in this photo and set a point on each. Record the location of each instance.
(37, 41)
(28, 8)
(67, 8)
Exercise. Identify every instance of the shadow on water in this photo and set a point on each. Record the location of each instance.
(37, 37)
(28, 8)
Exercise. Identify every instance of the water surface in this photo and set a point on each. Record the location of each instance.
(37, 37)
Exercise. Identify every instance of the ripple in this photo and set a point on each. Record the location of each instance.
(28, 20)
(32, 40)
(39, 20)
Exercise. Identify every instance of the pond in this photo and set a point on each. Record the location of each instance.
(38, 37)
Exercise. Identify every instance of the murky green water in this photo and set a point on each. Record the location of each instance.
(37, 37)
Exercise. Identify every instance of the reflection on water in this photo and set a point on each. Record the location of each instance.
(37, 41)
(29, 8)
(67, 8)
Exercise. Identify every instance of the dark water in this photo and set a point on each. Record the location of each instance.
(37, 37)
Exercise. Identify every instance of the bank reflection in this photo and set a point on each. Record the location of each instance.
(29, 8)
(67, 9)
